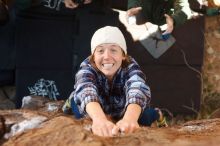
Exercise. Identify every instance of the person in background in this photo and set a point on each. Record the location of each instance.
(110, 88)
(169, 13)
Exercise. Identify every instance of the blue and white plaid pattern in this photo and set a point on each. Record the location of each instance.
(128, 86)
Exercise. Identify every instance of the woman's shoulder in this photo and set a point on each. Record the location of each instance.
(85, 63)
(87, 67)
(132, 61)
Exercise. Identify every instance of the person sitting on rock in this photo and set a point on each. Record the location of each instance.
(110, 88)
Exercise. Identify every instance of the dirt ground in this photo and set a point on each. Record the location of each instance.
(48, 126)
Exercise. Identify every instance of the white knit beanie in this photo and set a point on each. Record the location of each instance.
(108, 34)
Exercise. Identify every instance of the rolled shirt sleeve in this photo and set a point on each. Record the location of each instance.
(85, 89)
(137, 91)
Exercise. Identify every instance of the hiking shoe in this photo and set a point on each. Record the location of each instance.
(161, 122)
(67, 107)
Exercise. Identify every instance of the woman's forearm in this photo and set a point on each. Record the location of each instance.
(95, 111)
(132, 113)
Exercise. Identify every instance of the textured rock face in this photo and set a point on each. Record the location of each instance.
(45, 127)
(211, 68)
(212, 59)
(63, 130)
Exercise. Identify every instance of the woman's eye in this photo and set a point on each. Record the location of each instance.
(100, 51)
(113, 50)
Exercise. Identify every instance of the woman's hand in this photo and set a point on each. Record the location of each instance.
(101, 126)
(127, 126)
(129, 123)
(104, 127)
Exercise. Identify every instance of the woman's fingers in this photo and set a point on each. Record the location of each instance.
(115, 130)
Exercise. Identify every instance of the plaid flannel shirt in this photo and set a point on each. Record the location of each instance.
(128, 86)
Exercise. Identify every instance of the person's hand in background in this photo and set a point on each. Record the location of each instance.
(133, 11)
(169, 25)
(167, 28)
(72, 4)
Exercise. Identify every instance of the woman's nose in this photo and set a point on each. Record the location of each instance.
(107, 54)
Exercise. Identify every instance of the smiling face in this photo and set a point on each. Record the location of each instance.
(108, 59)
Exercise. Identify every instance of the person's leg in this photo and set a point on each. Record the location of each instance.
(70, 107)
(161, 121)
(75, 110)
(151, 115)
(148, 117)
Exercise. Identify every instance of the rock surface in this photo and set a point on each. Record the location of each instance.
(65, 130)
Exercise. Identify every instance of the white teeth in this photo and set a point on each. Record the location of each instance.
(107, 66)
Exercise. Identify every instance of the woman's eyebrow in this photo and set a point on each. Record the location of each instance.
(114, 45)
